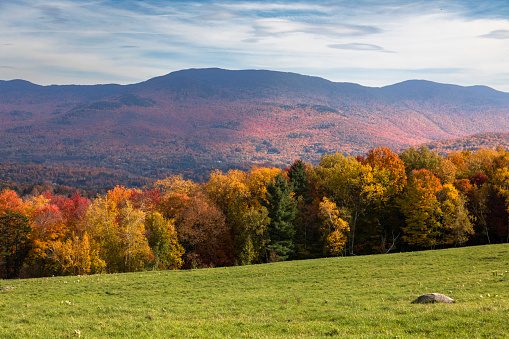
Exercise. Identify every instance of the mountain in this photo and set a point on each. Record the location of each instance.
(191, 121)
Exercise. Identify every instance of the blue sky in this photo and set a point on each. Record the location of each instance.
(373, 43)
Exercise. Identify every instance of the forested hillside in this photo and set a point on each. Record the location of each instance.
(471, 143)
(376, 203)
(194, 121)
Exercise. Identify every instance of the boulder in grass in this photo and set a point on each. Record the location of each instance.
(433, 298)
(5, 288)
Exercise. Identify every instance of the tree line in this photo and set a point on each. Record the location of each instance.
(375, 203)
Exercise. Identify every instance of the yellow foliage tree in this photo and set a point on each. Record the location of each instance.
(459, 161)
(163, 241)
(353, 185)
(421, 208)
(77, 255)
(446, 171)
(480, 161)
(254, 238)
(257, 180)
(119, 229)
(334, 228)
(238, 194)
(176, 184)
(455, 217)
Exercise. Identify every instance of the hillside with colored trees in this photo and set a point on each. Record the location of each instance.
(193, 121)
(471, 143)
(379, 202)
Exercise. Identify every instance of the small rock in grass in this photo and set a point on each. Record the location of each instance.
(5, 288)
(433, 298)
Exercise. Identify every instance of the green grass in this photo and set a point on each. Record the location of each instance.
(354, 297)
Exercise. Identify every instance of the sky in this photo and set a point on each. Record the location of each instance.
(369, 42)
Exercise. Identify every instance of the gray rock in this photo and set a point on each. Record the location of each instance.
(5, 288)
(433, 298)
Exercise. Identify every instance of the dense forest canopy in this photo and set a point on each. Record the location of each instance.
(375, 203)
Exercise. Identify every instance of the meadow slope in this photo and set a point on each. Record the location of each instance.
(355, 297)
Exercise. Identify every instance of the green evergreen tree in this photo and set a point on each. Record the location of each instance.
(299, 180)
(307, 234)
(282, 212)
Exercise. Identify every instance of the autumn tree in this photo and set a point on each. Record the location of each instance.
(255, 236)
(231, 194)
(73, 210)
(333, 228)
(56, 223)
(10, 201)
(422, 158)
(101, 221)
(119, 230)
(353, 185)
(134, 244)
(48, 227)
(500, 181)
(478, 194)
(382, 220)
(200, 225)
(480, 162)
(77, 255)
(446, 171)
(15, 233)
(15, 243)
(238, 195)
(421, 208)
(257, 180)
(385, 158)
(203, 233)
(456, 224)
(500, 161)
(176, 184)
(459, 160)
(163, 240)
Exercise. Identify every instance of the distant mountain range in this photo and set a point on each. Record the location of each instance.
(193, 120)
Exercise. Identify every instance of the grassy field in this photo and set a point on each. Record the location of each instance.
(354, 297)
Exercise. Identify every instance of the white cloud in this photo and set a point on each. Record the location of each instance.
(279, 26)
(269, 6)
(63, 41)
(354, 46)
(497, 34)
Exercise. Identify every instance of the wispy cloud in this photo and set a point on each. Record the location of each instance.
(90, 41)
(52, 13)
(282, 26)
(359, 47)
(497, 34)
(219, 16)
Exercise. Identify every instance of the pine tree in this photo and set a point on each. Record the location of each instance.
(307, 235)
(282, 212)
(299, 179)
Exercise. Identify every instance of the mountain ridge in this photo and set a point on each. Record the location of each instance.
(198, 119)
